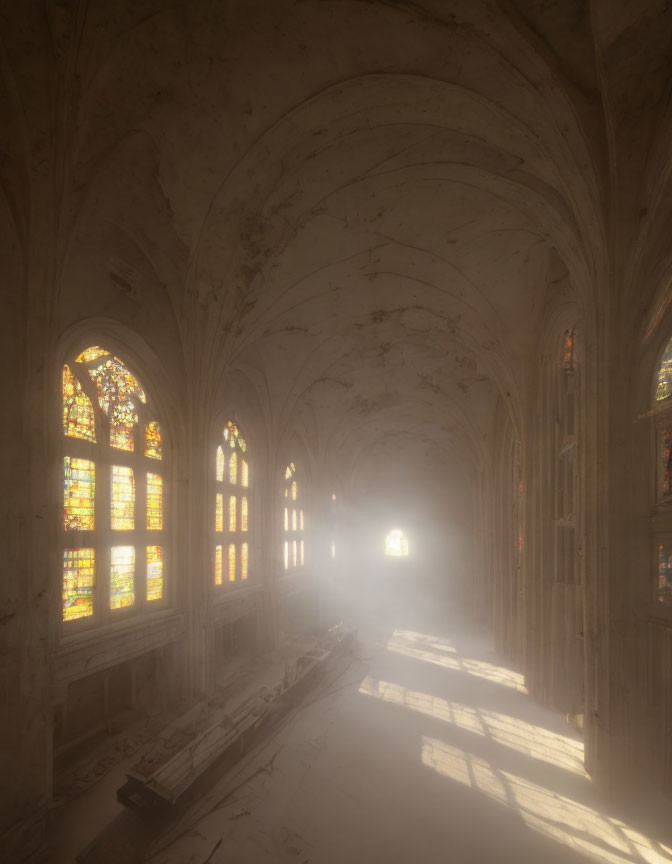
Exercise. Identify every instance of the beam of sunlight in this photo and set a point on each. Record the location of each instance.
(518, 735)
(411, 646)
(567, 821)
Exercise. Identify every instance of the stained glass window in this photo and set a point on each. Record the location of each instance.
(568, 351)
(122, 577)
(293, 550)
(78, 416)
(123, 498)
(232, 562)
(100, 393)
(664, 388)
(153, 440)
(218, 565)
(664, 572)
(231, 505)
(79, 494)
(154, 573)
(79, 574)
(154, 502)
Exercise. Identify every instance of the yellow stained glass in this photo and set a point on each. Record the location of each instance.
(122, 511)
(664, 388)
(78, 417)
(219, 464)
(122, 577)
(154, 573)
(154, 502)
(294, 558)
(79, 494)
(232, 513)
(301, 550)
(243, 561)
(301, 519)
(293, 520)
(243, 514)
(153, 446)
(286, 555)
(293, 490)
(233, 468)
(286, 519)
(219, 512)
(242, 444)
(244, 475)
(93, 353)
(79, 580)
(218, 565)
(118, 391)
(288, 472)
(232, 562)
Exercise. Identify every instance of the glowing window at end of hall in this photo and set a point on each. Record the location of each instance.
(396, 544)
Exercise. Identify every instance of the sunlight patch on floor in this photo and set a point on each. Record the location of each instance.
(518, 735)
(423, 648)
(567, 821)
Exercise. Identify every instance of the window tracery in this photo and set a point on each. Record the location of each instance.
(231, 558)
(293, 522)
(113, 504)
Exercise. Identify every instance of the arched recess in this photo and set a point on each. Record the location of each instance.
(116, 459)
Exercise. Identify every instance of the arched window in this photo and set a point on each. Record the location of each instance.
(113, 493)
(231, 507)
(567, 561)
(293, 522)
(663, 422)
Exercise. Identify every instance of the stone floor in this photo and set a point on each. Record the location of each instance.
(421, 747)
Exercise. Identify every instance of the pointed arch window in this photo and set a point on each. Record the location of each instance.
(113, 491)
(293, 553)
(231, 517)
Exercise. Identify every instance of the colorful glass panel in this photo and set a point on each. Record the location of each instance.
(154, 502)
(568, 351)
(78, 417)
(243, 514)
(232, 513)
(293, 520)
(117, 394)
(79, 494)
(293, 490)
(219, 464)
(122, 577)
(664, 388)
(664, 573)
(232, 562)
(244, 474)
(218, 565)
(79, 579)
(219, 512)
(122, 511)
(153, 445)
(243, 561)
(154, 573)
(233, 468)
(93, 353)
